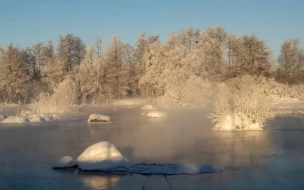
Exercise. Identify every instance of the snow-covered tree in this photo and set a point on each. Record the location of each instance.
(113, 58)
(291, 60)
(248, 55)
(14, 75)
(210, 49)
(70, 51)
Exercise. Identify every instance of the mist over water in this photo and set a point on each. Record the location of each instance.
(269, 159)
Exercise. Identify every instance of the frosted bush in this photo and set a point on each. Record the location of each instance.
(245, 98)
(61, 101)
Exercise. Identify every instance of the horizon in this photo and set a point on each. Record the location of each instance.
(27, 23)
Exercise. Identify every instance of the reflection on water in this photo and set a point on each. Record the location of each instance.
(97, 181)
(269, 159)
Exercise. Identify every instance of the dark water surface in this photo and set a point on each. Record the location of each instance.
(269, 159)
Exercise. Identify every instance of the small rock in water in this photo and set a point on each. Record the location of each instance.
(65, 162)
(98, 118)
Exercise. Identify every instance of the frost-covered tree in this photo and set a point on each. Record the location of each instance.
(189, 37)
(14, 75)
(141, 48)
(113, 58)
(248, 55)
(291, 59)
(168, 68)
(211, 48)
(130, 70)
(70, 51)
(89, 76)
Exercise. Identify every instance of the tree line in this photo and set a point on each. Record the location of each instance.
(149, 68)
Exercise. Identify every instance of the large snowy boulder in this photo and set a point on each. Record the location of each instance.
(98, 118)
(14, 119)
(156, 114)
(231, 122)
(65, 162)
(102, 156)
(147, 107)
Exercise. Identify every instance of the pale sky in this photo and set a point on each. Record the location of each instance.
(28, 22)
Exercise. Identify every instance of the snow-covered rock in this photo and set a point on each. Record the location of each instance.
(55, 116)
(102, 156)
(147, 107)
(98, 118)
(36, 118)
(65, 162)
(231, 122)
(2, 117)
(39, 118)
(14, 119)
(156, 114)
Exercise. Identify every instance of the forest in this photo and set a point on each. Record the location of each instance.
(192, 67)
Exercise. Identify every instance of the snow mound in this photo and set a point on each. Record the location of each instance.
(13, 119)
(156, 114)
(98, 118)
(129, 102)
(147, 107)
(65, 162)
(102, 156)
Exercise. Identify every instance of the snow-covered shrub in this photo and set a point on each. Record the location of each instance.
(245, 98)
(61, 101)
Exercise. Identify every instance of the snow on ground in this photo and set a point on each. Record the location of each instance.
(65, 162)
(102, 156)
(14, 119)
(156, 114)
(147, 107)
(98, 118)
(130, 102)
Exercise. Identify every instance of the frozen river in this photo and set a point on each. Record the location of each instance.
(269, 159)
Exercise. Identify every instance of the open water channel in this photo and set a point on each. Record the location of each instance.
(269, 159)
